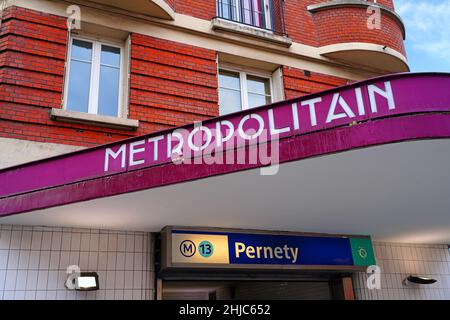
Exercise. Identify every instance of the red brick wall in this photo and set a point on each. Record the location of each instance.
(297, 83)
(202, 9)
(341, 25)
(331, 26)
(171, 83)
(32, 58)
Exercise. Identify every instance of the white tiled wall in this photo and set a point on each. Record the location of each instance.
(33, 262)
(397, 261)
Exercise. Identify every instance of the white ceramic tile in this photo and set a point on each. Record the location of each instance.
(85, 241)
(19, 295)
(110, 279)
(36, 240)
(5, 238)
(130, 243)
(8, 295)
(111, 261)
(42, 280)
(44, 260)
(32, 278)
(109, 295)
(112, 242)
(93, 261)
(118, 294)
(137, 279)
(51, 295)
(46, 243)
(33, 263)
(137, 294)
(94, 241)
(24, 259)
(65, 241)
(25, 243)
(103, 242)
(61, 295)
(41, 295)
(16, 237)
(128, 283)
(138, 243)
(3, 258)
(121, 242)
(75, 241)
(120, 261)
(10, 280)
(128, 294)
(84, 260)
(74, 258)
(21, 280)
(102, 260)
(120, 280)
(54, 260)
(138, 261)
(56, 241)
(64, 260)
(129, 261)
(2, 281)
(42, 274)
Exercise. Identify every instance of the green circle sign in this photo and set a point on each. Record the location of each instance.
(206, 249)
(362, 253)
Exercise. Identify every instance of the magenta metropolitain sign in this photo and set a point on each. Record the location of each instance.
(367, 109)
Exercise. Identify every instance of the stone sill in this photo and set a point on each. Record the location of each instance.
(94, 119)
(236, 27)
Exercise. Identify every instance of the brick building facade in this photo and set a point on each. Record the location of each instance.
(130, 69)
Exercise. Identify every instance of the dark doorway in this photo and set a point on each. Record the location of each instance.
(246, 290)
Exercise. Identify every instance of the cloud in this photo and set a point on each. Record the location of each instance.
(427, 25)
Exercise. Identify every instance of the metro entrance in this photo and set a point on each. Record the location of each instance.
(251, 290)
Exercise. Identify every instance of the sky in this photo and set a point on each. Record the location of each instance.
(427, 33)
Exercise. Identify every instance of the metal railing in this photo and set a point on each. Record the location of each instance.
(264, 14)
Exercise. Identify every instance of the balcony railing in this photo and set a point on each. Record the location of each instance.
(264, 14)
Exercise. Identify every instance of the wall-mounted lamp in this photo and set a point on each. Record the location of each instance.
(81, 281)
(87, 281)
(417, 280)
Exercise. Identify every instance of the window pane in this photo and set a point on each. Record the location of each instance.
(230, 80)
(258, 85)
(110, 56)
(229, 101)
(256, 100)
(79, 86)
(82, 50)
(108, 96)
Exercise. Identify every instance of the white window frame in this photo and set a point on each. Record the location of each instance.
(243, 82)
(266, 9)
(95, 73)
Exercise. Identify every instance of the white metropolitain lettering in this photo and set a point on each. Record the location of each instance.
(174, 150)
(155, 141)
(273, 130)
(295, 116)
(136, 147)
(338, 99)
(220, 139)
(260, 130)
(386, 93)
(191, 138)
(360, 102)
(115, 154)
(312, 109)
